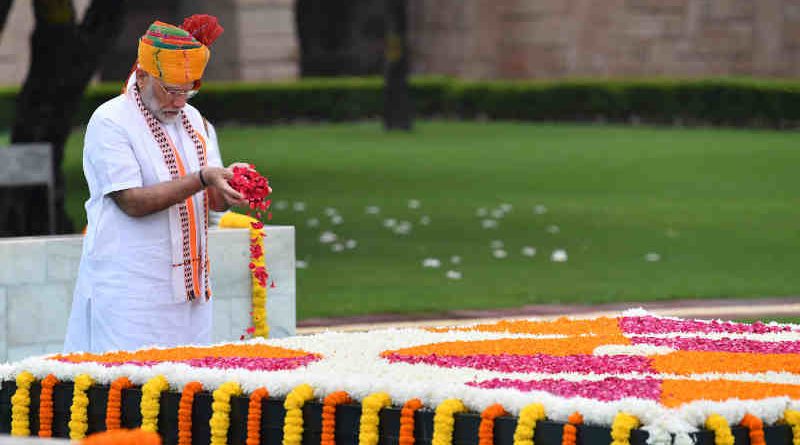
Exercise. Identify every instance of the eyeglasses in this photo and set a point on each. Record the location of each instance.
(175, 93)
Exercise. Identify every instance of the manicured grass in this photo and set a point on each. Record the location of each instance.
(719, 207)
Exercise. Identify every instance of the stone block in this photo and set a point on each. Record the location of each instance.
(17, 353)
(267, 70)
(273, 19)
(63, 257)
(3, 324)
(730, 9)
(658, 6)
(281, 47)
(37, 313)
(22, 260)
(229, 251)
(279, 254)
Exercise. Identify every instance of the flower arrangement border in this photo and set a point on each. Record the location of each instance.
(347, 417)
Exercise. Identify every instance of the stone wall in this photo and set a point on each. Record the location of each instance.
(37, 278)
(605, 38)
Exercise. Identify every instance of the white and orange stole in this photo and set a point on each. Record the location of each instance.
(188, 227)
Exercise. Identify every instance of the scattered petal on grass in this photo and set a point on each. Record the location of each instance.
(652, 257)
(529, 251)
(481, 212)
(496, 244)
(299, 206)
(506, 207)
(372, 210)
(455, 259)
(351, 244)
(413, 203)
(336, 220)
(337, 247)
(300, 264)
(453, 274)
(330, 211)
(312, 222)
(433, 263)
(498, 213)
(327, 237)
(402, 228)
(539, 209)
(499, 253)
(489, 224)
(281, 205)
(389, 222)
(559, 256)
(425, 220)
(553, 229)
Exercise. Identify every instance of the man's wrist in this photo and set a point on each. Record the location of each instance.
(203, 182)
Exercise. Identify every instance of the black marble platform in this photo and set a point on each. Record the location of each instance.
(347, 421)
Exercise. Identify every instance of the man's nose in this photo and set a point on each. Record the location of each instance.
(178, 100)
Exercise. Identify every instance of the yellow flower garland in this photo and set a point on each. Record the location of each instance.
(792, 418)
(621, 428)
(79, 412)
(370, 407)
(20, 405)
(221, 408)
(232, 220)
(721, 429)
(293, 424)
(526, 425)
(151, 402)
(443, 421)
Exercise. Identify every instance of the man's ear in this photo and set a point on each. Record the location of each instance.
(140, 73)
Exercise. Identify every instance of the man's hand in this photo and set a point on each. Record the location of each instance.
(217, 179)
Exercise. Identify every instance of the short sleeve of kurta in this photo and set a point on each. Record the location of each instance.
(109, 157)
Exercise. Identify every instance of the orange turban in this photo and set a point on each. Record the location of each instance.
(178, 55)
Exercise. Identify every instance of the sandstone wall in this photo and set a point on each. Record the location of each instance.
(605, 38)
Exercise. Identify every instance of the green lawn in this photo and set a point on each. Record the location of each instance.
(720, 208)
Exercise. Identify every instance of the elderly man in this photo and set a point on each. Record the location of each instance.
(154, 172)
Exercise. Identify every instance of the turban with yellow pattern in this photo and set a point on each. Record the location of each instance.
(178, 55)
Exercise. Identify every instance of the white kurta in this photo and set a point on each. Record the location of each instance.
(124, 296)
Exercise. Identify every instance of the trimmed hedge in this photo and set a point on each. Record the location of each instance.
(739, 102)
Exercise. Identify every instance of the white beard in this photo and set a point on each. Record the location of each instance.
(151, 103)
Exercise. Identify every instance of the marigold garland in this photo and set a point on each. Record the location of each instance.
(114, 405)
(46, 406)
(151, 402)
(293, 424)
(370, 407)
(526, 424)
(721, 429)
(406, 436)
(20, 405)
(486, 428)
(259, 277)
(258, 271)
(329, 404)
(792, 418)
(136, 436)
(444, 420)
(621, 428)
(755, 429)
(570, 434)
(79, 411)
(221, 407)
(185, 412)
(254, 416)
